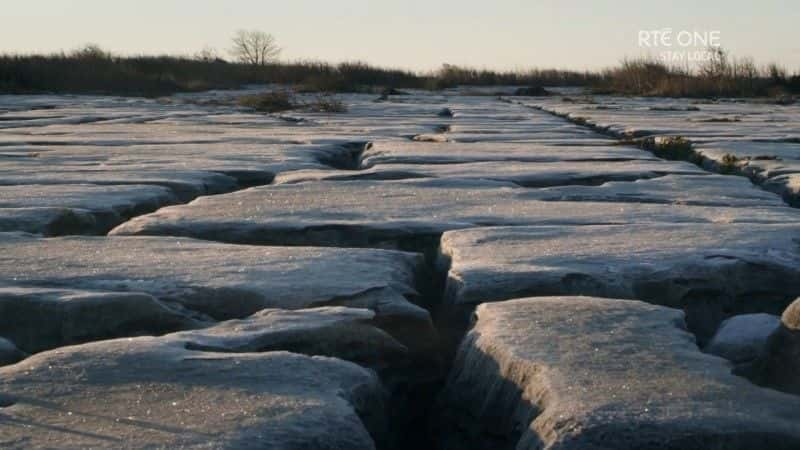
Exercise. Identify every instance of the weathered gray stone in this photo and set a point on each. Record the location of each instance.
(39, 319)
(743, 339)
(345, 333)
(411, 214)
(755, 139)
(155, 393)
(704, 190)
(9, 354)
(76, 209)
(49, 221)
(402, 152)
(590, 373)
(226, 281)
(188, 170)
(186, 185)
(528, 174)
(711, 270)
(707, 122)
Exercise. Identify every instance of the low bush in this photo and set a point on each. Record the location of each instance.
(268, 102)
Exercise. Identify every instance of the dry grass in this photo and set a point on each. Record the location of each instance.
(729, 164)
(279, 101)
(94, 70)
(671, 147)
(268, 102)
(326, 103)
(721, 76)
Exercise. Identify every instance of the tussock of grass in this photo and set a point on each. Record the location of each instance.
(729, 164)
(671, 147)
(326, 104)
(268, 102)
(279, 101)
(720, 76)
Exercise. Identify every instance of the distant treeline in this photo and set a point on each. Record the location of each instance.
(92, 70)
(719, 76)
(160, 75)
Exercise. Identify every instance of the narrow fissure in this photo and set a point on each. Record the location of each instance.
(688, 154)
(414, 415)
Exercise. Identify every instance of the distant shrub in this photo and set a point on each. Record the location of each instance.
(268, 102)
(719, 76)
(729, 163)
(92, 70)
(327, 104)
(672, 148)
(532, 91)
(282, 100)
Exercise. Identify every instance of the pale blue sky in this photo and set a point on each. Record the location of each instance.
(416, 34)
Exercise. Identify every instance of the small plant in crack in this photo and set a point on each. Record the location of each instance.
(326, 103)
(268, 102)
(279, 101)
(729, 163)
(672, 148)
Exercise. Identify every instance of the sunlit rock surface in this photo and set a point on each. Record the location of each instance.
(759, 140)
(155, 392)
(39, 319)
(591, 373)
(527, 174)
(218, 280)
(345, 333)
(710, 270)
(76, 209)
(398, 214)
(319, 234)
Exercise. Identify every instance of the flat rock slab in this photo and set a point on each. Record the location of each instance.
(743, 338)
(184, 184)
(711, 270)
(750, 151)
(403, 152)
(699, 122)
(225, 281)
(155, 393)
(345, 333)
(94, 209)
(528, 174)
(38, 319)
(188, 170)
(703, 190)
(773, 165)
(397, 214)
(48, 221)
(592, 373)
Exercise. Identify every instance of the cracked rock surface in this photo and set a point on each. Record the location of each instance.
(592, 373)
(183, 272)
(711, 270)
(154, 392)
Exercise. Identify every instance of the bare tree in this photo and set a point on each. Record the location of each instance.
(208, 54)
(90, 51)
(254, 47)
